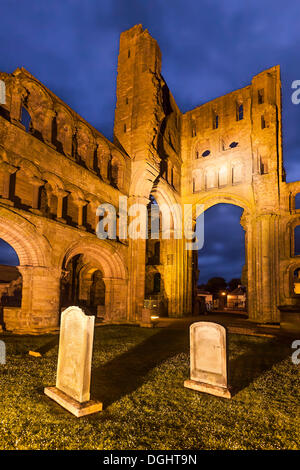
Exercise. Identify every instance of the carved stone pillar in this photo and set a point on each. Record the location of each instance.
(81, 203)
(17, 96)
(36, 184)
(40, 299)
(93, 207)
(47, 127)
(61, 194)
(263, 268)
(115, 300)
(104, 162)
(6, 190)
(137, 262)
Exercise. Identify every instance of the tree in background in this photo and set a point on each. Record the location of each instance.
(234, 283)
(216, 284)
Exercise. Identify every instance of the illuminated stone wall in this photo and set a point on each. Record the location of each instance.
(57, 169)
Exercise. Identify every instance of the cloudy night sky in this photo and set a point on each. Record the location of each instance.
(209, 48)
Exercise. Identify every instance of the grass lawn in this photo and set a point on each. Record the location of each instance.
(138, 374)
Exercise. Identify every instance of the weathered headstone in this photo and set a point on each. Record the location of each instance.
(73, 378)
(208, 359)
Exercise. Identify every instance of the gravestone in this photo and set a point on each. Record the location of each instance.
(208, 359)
(73, 378)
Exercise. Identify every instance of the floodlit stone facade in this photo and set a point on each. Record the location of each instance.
(56, 169)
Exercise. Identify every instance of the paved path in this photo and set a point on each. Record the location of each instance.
(235, 322)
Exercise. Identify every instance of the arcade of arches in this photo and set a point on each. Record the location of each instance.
(55, 170)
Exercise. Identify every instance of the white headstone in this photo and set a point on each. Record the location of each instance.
(208, 359)
(75, 354)
(74, 363)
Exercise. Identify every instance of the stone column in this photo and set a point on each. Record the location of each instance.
(17, 96)
(115, 300)
(40, 298)
(81, 203)
(7, 172)
(36, 183)
(104, 161)
(263, 268)
(93, 206)
(170, 288)
(61, 194)
(47, 127)
(136, 267)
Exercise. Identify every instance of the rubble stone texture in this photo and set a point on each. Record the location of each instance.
(56, 169)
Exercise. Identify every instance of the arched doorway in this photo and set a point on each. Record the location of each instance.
(94, 277)
(155, 267)
(10, 281)
(165, 254)
(221, 283)
(40, 278)
(82, 284)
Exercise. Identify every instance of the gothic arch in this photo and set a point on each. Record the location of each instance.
(64, 129)
(85, 142)
(290, 237)
(165, 196)
(212, 199)
(31, 248)
(117, 169)
(102, 253)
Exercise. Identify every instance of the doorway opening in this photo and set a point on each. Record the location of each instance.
(10, 280)
(83, 285)
(221, 283)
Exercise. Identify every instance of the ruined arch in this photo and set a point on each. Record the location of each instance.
(40, 286)
(214, 198)
(85, 145)
(117, 170)
(39, 104)
(288, 280)
(63, 129)
(31, 248)
(290, 237)
(102, 253)
(102, 158)
(103, 256)
(170, 252)
(165, 196)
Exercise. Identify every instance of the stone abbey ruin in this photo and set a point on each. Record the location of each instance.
(56, 169)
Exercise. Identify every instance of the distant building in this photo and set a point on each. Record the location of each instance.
(204, 302)
(297, 281)
(236, 300)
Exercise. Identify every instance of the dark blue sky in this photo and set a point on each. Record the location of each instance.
(209, 48)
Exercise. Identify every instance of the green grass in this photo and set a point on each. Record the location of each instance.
(138, 373)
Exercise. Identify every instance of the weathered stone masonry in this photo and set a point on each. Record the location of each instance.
(57, 169)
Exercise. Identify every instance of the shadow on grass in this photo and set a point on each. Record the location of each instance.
(47, 346)
(258, 358)
(127, 372)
